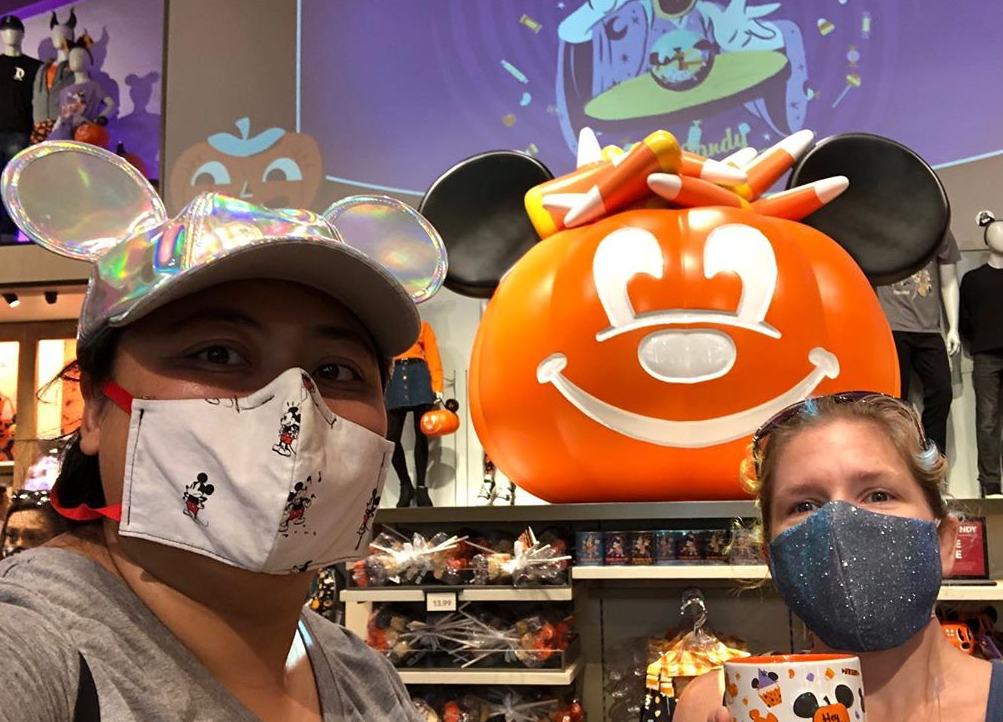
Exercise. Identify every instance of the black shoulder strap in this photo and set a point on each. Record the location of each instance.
(87, 708)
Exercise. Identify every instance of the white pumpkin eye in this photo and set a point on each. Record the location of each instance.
(215, 171)
(623, 254)
(747, 253)
(286, 166)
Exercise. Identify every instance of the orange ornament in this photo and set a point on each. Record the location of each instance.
(631, 359)
(92, 133)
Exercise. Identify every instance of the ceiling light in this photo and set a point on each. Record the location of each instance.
(51, 296)
(12, 300)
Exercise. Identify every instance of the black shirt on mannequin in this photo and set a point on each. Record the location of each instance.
(980, 310)
(16, 77)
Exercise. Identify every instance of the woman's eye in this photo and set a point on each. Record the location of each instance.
(338, 372)
(220, 356)
(804, 507)
(877, 497)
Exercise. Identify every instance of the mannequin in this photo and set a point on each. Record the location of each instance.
(913, 308)
(490, 492)
(83, 101)
(52, 77)
(16, 73)
(982, 330)
(415, 387)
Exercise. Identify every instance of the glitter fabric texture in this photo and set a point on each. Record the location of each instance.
(861, 581)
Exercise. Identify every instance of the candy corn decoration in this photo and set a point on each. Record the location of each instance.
(656, 173)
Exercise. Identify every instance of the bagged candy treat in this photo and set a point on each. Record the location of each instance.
(532, 562)
(388, 632)
(396, 560)
(491, 568)
(425, 711)
(324, 599)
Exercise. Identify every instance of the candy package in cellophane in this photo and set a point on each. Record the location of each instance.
(498, 704)
(396, 559)
(532, 561)
(470, 637)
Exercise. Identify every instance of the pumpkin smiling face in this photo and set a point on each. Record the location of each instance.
(272, 168)
(664, 338)
(633, 352)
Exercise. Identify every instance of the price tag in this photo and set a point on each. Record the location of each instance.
(440, 602)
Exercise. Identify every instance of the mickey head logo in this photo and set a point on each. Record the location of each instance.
(807, 706)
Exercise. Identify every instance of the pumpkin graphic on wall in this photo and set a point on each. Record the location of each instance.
(631, 354)
(274, 168)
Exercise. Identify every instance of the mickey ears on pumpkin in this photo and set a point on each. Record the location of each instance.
(477, 207)
(100, 198)
(395, 235)
(895, 213)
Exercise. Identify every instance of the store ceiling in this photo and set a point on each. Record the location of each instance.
(33, 307)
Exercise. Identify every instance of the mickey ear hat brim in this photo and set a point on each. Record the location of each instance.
(361, 285)
(893, 217)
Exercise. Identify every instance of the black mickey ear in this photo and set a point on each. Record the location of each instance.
(893, 217)
(806, 705)
(773, 675)
(477, 208)
(844, 695)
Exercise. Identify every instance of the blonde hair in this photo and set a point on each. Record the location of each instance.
(899, 422)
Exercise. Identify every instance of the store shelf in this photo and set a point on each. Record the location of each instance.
(971, 593)
(708, 572)
(661, 514)
(547, 513)
(463, 594)
(695, 572)
(493, 676)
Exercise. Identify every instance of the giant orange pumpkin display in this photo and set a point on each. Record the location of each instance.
(631, 357)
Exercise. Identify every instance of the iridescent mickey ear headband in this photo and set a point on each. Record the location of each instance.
(101, 200)
(397, 236)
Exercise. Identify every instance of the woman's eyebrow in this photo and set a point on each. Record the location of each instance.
(332, 332)
(213, 315)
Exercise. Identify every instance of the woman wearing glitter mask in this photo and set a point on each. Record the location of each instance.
(232, 363)
(850, 494)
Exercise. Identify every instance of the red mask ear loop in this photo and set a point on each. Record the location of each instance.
(84, 512)
(118, 396)
(123, 399)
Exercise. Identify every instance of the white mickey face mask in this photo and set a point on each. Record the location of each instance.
(273, 482)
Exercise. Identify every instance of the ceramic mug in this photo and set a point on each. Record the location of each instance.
(795, 688)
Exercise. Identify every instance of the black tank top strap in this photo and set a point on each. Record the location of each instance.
(994, 707)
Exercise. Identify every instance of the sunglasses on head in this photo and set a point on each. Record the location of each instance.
(784, 416)
(30, 498)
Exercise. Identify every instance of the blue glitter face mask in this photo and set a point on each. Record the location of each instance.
(861, 581)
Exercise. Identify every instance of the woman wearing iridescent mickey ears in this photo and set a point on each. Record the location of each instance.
(178, 593)
(850, 493)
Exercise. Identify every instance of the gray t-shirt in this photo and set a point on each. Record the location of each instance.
(55, 604)
(914, 304)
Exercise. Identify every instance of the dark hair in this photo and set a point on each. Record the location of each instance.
(34, 501)
(79, 480)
